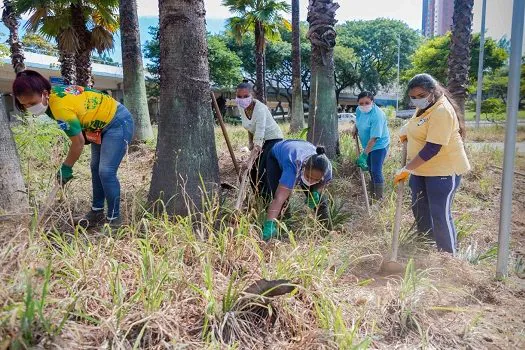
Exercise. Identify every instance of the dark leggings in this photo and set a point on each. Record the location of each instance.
(273, 175)
(257, 172)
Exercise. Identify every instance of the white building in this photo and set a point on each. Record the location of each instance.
(106, 77)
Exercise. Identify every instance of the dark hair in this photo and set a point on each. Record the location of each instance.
(318, 161)
(29, 82)
(245, 85)
(364, 94)
(431, 85)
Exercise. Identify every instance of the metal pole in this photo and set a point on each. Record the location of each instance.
(516, 40)
(480, 63)
(398, 61)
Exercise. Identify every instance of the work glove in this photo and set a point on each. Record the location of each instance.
(361, 161)
(64, 174)
(269, 230)
(313, 199)
(401, 175)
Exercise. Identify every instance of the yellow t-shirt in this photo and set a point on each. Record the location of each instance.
(78, 108)
(439, 125)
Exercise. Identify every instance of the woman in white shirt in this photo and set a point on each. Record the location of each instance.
(263, 132)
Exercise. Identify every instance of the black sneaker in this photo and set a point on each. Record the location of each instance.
(114, 223)
(92, 219)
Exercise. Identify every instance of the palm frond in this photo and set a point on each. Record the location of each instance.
(102, 39)
(68, 40)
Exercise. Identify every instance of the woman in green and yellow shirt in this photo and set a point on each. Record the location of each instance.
(86, 116)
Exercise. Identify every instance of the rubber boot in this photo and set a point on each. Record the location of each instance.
(370, 188)
(377, 194)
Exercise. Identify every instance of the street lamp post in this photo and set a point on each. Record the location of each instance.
(513, 97)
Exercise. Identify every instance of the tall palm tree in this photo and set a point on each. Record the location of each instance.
(11, 21)
(322, 116)
(186, 165)
(297, 111)
(459, 58)
(263, 18)
(135, 97)
(79, 26)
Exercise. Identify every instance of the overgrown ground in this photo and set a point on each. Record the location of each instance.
(169, 283)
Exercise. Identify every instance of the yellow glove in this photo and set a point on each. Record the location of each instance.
(401, 175)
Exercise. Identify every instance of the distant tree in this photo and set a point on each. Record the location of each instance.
(263, 18)
(432, 57)
(37, 41)
(224, 64)
(346, 73)
(375, 45)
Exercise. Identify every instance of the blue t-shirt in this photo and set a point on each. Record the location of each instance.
(373, 124)
(291, 156)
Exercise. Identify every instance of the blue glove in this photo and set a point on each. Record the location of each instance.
(269, 230)
(361, 161)
(313, 199)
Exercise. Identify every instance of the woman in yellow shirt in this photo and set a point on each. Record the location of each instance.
(86, 116)
(436, 159)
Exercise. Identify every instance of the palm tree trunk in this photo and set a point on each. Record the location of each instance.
(297, 111)
(459, 58)
(260, 77)
(135, 98)
(11, 21)
(83, 54)
(186, 166)
(322, 116)
(67, 64)
(13, 198)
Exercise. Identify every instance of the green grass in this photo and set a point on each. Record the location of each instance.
(178, 282)
(471, 115)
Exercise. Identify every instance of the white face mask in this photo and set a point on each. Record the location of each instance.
(37, 109)
(244, 102)
(366, 108)
(306, 182)
(420, 103)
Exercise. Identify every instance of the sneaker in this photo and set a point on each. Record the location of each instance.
(92, 219)
(114, 223)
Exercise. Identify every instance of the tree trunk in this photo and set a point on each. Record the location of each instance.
(297, 111)
(322, 116)
(260, 77)
(11, 21)
(67, 64)
(186, 158)
(135, 98)
(459, 58)
(83, 54)
(13, 197)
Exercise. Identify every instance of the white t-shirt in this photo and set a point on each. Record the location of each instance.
(262, 125)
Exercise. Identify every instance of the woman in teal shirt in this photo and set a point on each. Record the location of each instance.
(372, 128)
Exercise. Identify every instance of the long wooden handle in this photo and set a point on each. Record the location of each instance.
(399, 206)
(225, 132)
(362, 175)
(243, 184)
(47, 204)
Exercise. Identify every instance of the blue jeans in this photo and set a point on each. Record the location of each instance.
(105, 160)
(375, 161)
(432, 198)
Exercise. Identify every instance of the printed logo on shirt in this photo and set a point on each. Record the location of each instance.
(422, 121)
(63, 125)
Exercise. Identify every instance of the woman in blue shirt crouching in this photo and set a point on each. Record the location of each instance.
(372, 129)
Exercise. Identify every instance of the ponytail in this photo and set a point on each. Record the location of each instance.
(319, 161)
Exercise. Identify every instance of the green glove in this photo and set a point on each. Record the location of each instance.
(313, 199)
(64, 174)
(269, 230)
(361, 161)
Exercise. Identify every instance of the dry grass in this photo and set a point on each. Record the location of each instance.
(172, 283)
